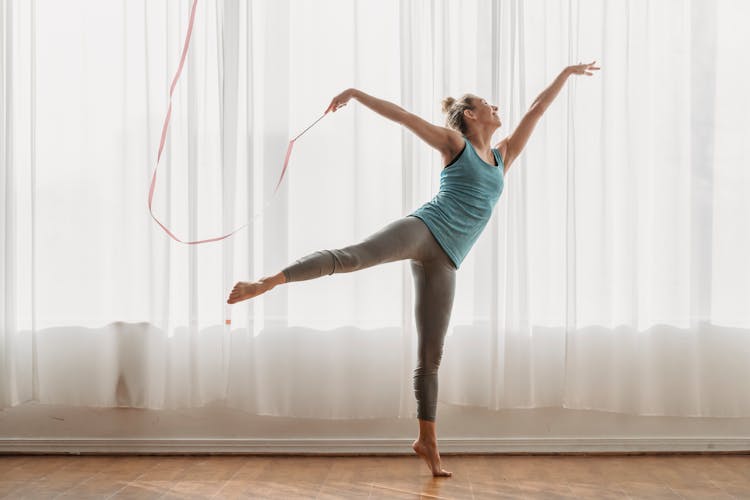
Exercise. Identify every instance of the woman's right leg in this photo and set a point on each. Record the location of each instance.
(405, 238)
(402, 239)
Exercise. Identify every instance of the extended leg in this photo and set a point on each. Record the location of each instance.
(405, 238)
(399, 240)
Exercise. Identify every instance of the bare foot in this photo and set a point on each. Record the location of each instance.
(244, 290)
(428, 451)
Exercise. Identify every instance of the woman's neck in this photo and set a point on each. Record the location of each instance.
(480, 139)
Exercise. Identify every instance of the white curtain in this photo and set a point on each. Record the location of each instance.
(613, 274)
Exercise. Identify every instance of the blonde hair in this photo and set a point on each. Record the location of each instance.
(455, 111)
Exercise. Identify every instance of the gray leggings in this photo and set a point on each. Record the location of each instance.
(434, 282)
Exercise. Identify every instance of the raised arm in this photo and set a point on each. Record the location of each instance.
(517, 140)
(443, 139)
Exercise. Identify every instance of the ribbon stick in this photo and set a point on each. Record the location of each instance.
(164, 138)
(289, 149)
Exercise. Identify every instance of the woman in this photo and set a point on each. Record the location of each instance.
(437, 236)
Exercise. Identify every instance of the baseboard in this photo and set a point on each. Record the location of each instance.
(300, 446)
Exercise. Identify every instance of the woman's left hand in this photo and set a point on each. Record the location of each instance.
(583, 69)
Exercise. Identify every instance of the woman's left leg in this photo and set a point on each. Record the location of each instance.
(434, 283)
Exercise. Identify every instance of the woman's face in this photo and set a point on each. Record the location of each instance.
(486, 113)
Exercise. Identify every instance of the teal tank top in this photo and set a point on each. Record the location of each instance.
(469, 190)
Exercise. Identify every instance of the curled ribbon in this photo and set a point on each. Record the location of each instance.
(164, 138)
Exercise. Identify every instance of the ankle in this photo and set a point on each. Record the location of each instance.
(272, 281)
(267, 283)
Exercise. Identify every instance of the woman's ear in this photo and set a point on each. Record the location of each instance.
(468, 113)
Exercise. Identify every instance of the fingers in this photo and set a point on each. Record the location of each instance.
(587, 69)
(587, 66)
(335, 104)
(339, 101)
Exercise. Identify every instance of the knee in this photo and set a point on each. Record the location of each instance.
(429, 362)
(345, 260)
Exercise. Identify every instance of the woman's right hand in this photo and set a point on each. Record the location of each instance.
(341, 100)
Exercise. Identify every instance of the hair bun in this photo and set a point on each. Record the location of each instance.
(447, 103)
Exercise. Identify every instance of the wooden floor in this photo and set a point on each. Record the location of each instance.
(474, 476)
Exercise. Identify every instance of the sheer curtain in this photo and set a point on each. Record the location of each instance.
(612, 275)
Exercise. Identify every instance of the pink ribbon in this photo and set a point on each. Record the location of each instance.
(164, 138)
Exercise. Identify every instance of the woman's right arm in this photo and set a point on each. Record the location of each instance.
(443, 139)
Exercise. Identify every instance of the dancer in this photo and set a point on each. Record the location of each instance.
(437, 236)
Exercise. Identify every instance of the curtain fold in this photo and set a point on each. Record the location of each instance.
(611, 276)
(18, 161)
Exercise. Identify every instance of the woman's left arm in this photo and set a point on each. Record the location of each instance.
(520, 136)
